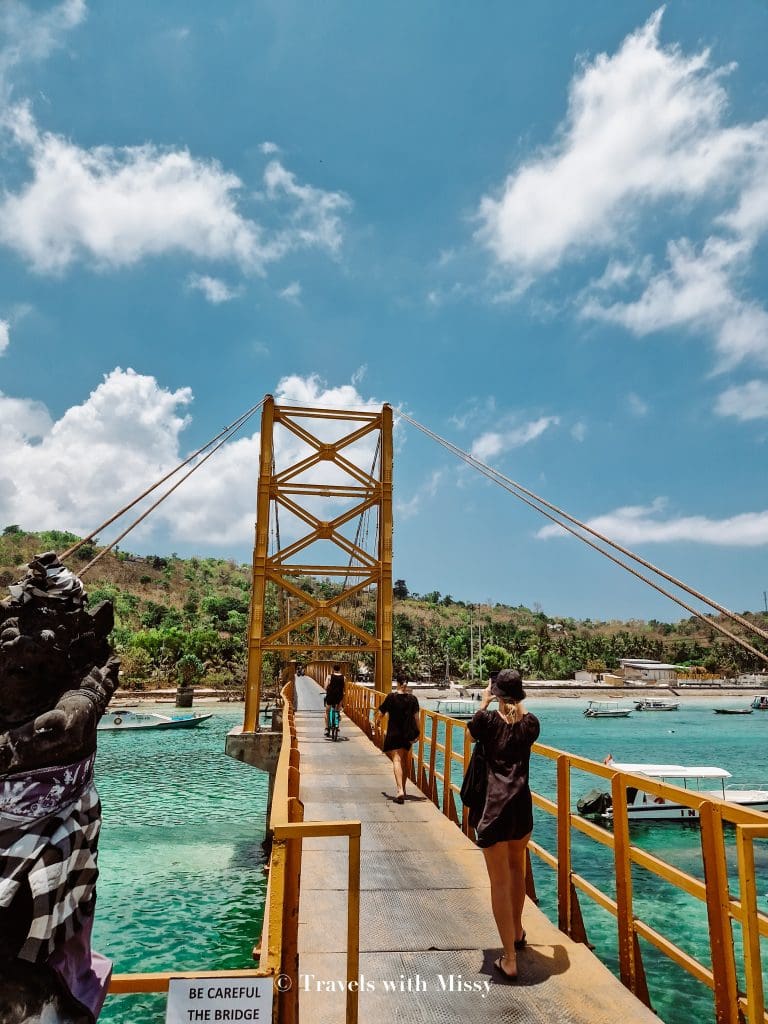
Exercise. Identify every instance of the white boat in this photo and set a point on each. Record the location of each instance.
(760, 702)
(643, 806)
(122, 719)
(656, 704)
(455, 708)
(606, 709)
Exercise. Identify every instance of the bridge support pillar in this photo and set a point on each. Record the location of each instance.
(260, 750)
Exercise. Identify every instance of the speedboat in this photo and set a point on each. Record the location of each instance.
(455, 708)
(656, 704)
(760, 702)
(121, 719)
(606, 709)
(643, 806)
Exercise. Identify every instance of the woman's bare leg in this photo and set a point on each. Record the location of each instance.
(517, 860)
(502, 899)
(399, 758)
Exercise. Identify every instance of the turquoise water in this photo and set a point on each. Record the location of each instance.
(181, 882)
(181, 861)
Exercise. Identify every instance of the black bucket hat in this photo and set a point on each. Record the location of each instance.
(508, 685)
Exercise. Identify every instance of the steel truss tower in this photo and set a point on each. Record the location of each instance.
(325, 475)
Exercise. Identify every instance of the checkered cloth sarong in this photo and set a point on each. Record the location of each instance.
(49, 830)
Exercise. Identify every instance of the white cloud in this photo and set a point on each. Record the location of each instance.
(643, 126)
(22, 420)
(579, 431)
(292, 293)
(697, 291)
(213, 288)
(131, 429)
(269, 148)
(494, 443)
(746, 402)
(115, 206)
(32, 35)
(5, 336)
(412, 507)
(636, 405)
(641, 524)
(314, 216)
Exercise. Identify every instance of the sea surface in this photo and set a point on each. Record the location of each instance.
(182, 883)
(181, 863)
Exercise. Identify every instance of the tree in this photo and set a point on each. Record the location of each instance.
(494, 659)
(189, 668)
(10, 531)
(400, 590)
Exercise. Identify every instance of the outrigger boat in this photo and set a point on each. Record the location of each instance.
(122, 719)
(656, 704)
(643, 806)
(606, 709)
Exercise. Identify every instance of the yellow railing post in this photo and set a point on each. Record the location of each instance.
(431, 789)
(630, 959)
(718, 899)
(447, 766)
(563, 844)
(353, 928)
(750, 925)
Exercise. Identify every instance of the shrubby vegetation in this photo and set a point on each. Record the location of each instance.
(185, 621)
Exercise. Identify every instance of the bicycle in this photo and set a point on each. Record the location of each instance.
(334, 721)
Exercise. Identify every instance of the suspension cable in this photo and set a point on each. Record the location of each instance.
(229, 434)
(513, 487)
(108, 522)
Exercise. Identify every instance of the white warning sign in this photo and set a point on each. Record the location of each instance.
(219, 1000)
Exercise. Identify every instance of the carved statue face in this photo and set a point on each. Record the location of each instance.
(48, 640)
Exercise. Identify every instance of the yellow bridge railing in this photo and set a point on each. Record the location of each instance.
(279, 941)
(433, 775)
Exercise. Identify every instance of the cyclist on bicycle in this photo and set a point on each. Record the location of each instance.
(334, 694)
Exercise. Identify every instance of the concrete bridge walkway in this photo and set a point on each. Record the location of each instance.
(427, 935)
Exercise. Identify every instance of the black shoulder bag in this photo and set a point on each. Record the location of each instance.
(475, 784)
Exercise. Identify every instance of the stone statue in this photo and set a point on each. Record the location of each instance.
(57, 675)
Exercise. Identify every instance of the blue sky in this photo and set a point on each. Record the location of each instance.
(540, 229)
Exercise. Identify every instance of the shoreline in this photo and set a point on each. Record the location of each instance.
(535, 689)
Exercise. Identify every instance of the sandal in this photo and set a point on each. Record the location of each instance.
(522, 942)
(510, 979)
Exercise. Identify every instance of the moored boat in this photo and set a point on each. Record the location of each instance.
(643, 806)
(606, 709)
(733, 711)
(760, 702)
(656, 704)
(455, 708)
(122, 719)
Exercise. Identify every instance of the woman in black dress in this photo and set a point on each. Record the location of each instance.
(505, 823)
(402, 729)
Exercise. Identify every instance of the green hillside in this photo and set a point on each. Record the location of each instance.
(187, 618)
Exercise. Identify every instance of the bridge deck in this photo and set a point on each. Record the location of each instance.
(425, 919)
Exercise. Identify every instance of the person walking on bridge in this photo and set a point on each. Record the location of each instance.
(402, 730)
(505, 822)
(334, 693)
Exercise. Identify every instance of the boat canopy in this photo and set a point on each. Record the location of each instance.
(672, 771)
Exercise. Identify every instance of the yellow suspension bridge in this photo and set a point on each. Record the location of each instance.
(377, 911)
